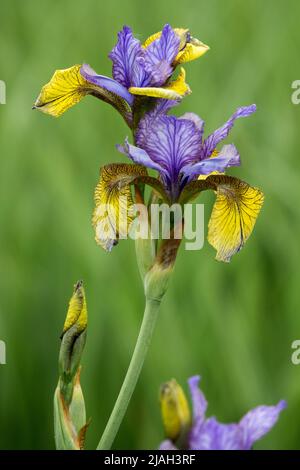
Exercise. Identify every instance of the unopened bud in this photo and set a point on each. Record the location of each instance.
(175, 410)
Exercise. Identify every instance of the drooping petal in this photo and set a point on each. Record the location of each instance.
(124, 56)
(198, 399)
(160, 54)
(114, 203)
(212, 435)
(175, 90)
(175, 410)
(220, 134)
(67, 87)
(227, 157)
(258, 422)
(105, 82)
(234, 215)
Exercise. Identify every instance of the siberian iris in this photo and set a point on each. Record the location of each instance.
(138, 70)
(200, 433)
(186, 164)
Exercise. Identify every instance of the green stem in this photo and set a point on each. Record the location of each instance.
(133, 372)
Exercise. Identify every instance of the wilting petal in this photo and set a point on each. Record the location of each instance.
(227, 157)
(220, 134)
(175, 410)
(234, 215)
(198, 399)
(124, 55)
(258, 422)
(105, 82)
(192, 50)
(174, 91)
(212, 435)
(114, 203)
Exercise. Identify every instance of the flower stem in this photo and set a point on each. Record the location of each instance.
(133, 372)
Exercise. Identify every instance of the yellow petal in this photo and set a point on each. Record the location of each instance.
(67, 87)
(175, 410)
(176, 89)
(192, 50)
(151, 38)
(234, 215)
(77, 311)
(113, 213)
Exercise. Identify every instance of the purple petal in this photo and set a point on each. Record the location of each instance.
(199, 123)
(259, 421)
(138, 155)
(215, 436)
(198, 399)
(167, 445)
(105, 82)
(124, 56)
(227, 157)
(160, 54)
(170, 142)
(220, 134)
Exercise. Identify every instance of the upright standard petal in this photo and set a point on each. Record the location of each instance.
(213, 435)
(160, 54)
(259, 422)
(220, 134)
(124, 56)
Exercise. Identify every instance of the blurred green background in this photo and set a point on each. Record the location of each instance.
(233, 324)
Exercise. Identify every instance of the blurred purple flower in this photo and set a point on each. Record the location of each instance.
(209, 434)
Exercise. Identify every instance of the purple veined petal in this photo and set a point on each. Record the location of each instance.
(258, 422)
(124, 56)
(212, 435)
(105, 82)
(167, 445)
(198, 399)
(138, 155)
(228, 156)
(220, 134)
(170, 142)
(199, 123)
(160, 54)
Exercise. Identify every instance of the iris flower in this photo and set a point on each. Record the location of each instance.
(201, 433)
(138, 70)
(187, 164)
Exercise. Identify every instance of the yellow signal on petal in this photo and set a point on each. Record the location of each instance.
(176, 89)
(113, 213)
(175, 410)
(66, 88)
(77, 311)
(234, 215)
